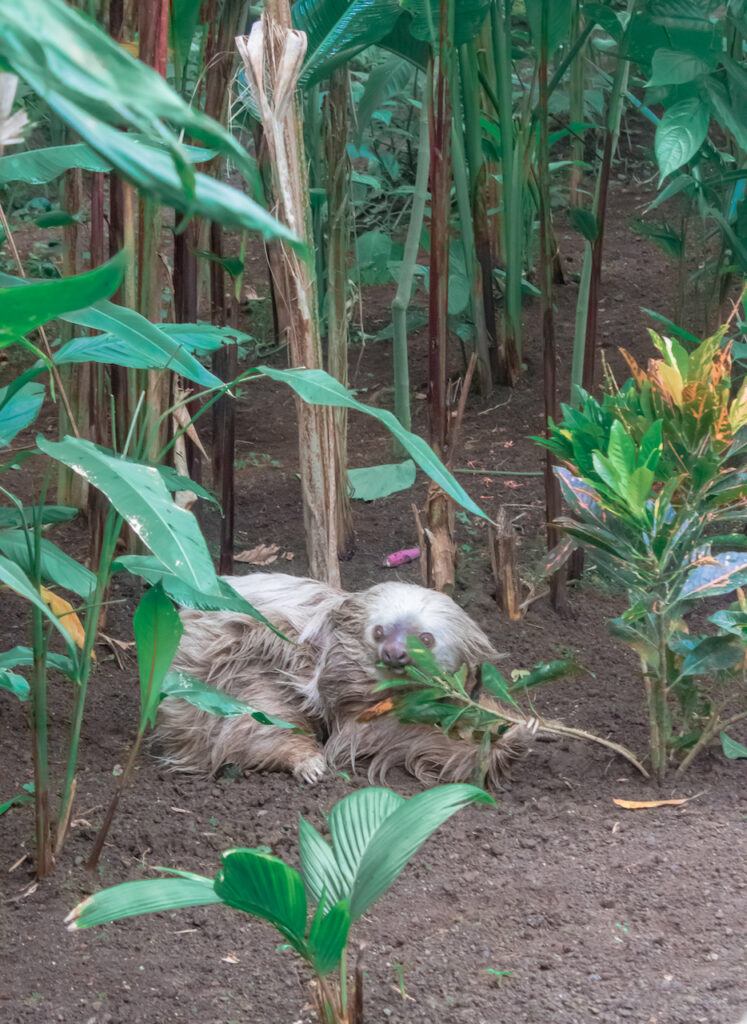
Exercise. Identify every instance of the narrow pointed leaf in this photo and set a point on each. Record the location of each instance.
(56, 566)
(19, 410)
(731, 748)
(328, 937)
(158, 630)
(321, 873)
(149, 896)
(216, 702)
(11, 682)
(15, 578)
(402, 835)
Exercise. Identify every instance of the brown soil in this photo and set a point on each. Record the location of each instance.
(599, 914)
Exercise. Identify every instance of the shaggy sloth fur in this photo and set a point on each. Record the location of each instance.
(322, 683)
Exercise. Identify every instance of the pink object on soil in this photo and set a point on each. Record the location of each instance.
(401, 557)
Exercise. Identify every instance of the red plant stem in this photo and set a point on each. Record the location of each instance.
(595, 279)
(552, 489)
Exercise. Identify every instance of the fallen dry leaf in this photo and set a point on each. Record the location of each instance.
(230, 959)
(68, 619)
(642, 805)
(378, 709)
(263, 554)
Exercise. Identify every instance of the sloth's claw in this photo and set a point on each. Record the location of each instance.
(312, 769)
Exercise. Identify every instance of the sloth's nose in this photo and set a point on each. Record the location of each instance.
(395, 655)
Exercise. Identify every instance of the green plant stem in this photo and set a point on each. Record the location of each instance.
(511, 220)
(401, 302)
(111, 531)
(714, 726)
(121, 784)
(40, 717)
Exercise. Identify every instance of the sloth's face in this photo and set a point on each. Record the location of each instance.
(396, 611)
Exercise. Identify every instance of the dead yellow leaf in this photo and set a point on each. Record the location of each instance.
(263, 554)
(377, 710)
(68, 618)
(642, 805)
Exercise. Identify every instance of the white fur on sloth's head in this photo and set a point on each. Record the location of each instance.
(456, 639)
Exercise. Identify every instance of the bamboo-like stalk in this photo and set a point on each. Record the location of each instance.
(338, 241)
(439, 555)
(272, 57)
(40, 716)
(500, 13)
(585, 344)
(99, 412)
(553, 506)
(401, 301)
(576, 106)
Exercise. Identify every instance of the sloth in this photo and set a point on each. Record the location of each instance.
(343, 645)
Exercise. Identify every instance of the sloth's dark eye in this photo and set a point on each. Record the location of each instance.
(428, 639)
(378, 633)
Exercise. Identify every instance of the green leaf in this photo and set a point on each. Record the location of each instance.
(680, 134)
(40, 166)
(149, 896)
(621, 452)
(204, 338)
(264, 886)
(226, 599)
(353, 822)
(49, 514)
(384, 82)
(670, 67)
(158, 630)
(55, 564)
(25, 656)
(19, 799)
(544, 673)
(15, 578)
(558, 21)
(178, 482)
(375, 482)
(337, 30)
(496, 684)
(321, 873)
(130, 340)
(19, 410)
(401, 835)
(318, 387)
(209, 698)
(584, 222)
(139, 495)
(713, 654)
(28, 305)
(185, 17)
(11, 682)
(468, 17)
(328, 937)
(731, 748)
(720, 574)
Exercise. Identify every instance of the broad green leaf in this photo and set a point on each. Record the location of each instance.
(130, 340)
(185, 17)
(149, 896)
(24, 656)
(318, 387)
(19, 410)
(353, 822)
(19, 799)
(718, 574)
(375, 482)
(11, 517)
(496, 684)
(204, 338)
(713, 654)
(401, 835)
(28, 305)
(681, 133)
(337, 30)
(468, 17)
(225, 599)
(178, 482)
(264, 886)
(15, 578)
(384, 82)
(39, 166)
(319, 868)
(11, 682)
(140, 496)
(558, 21)
(621, 452)
(731, 621)
(158, 630)
(727, 111)
(731, 748)
(56, 566)
(670, 67)
(328, 937)
(209, 698)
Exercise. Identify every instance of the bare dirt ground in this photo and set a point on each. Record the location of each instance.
(598, 914)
